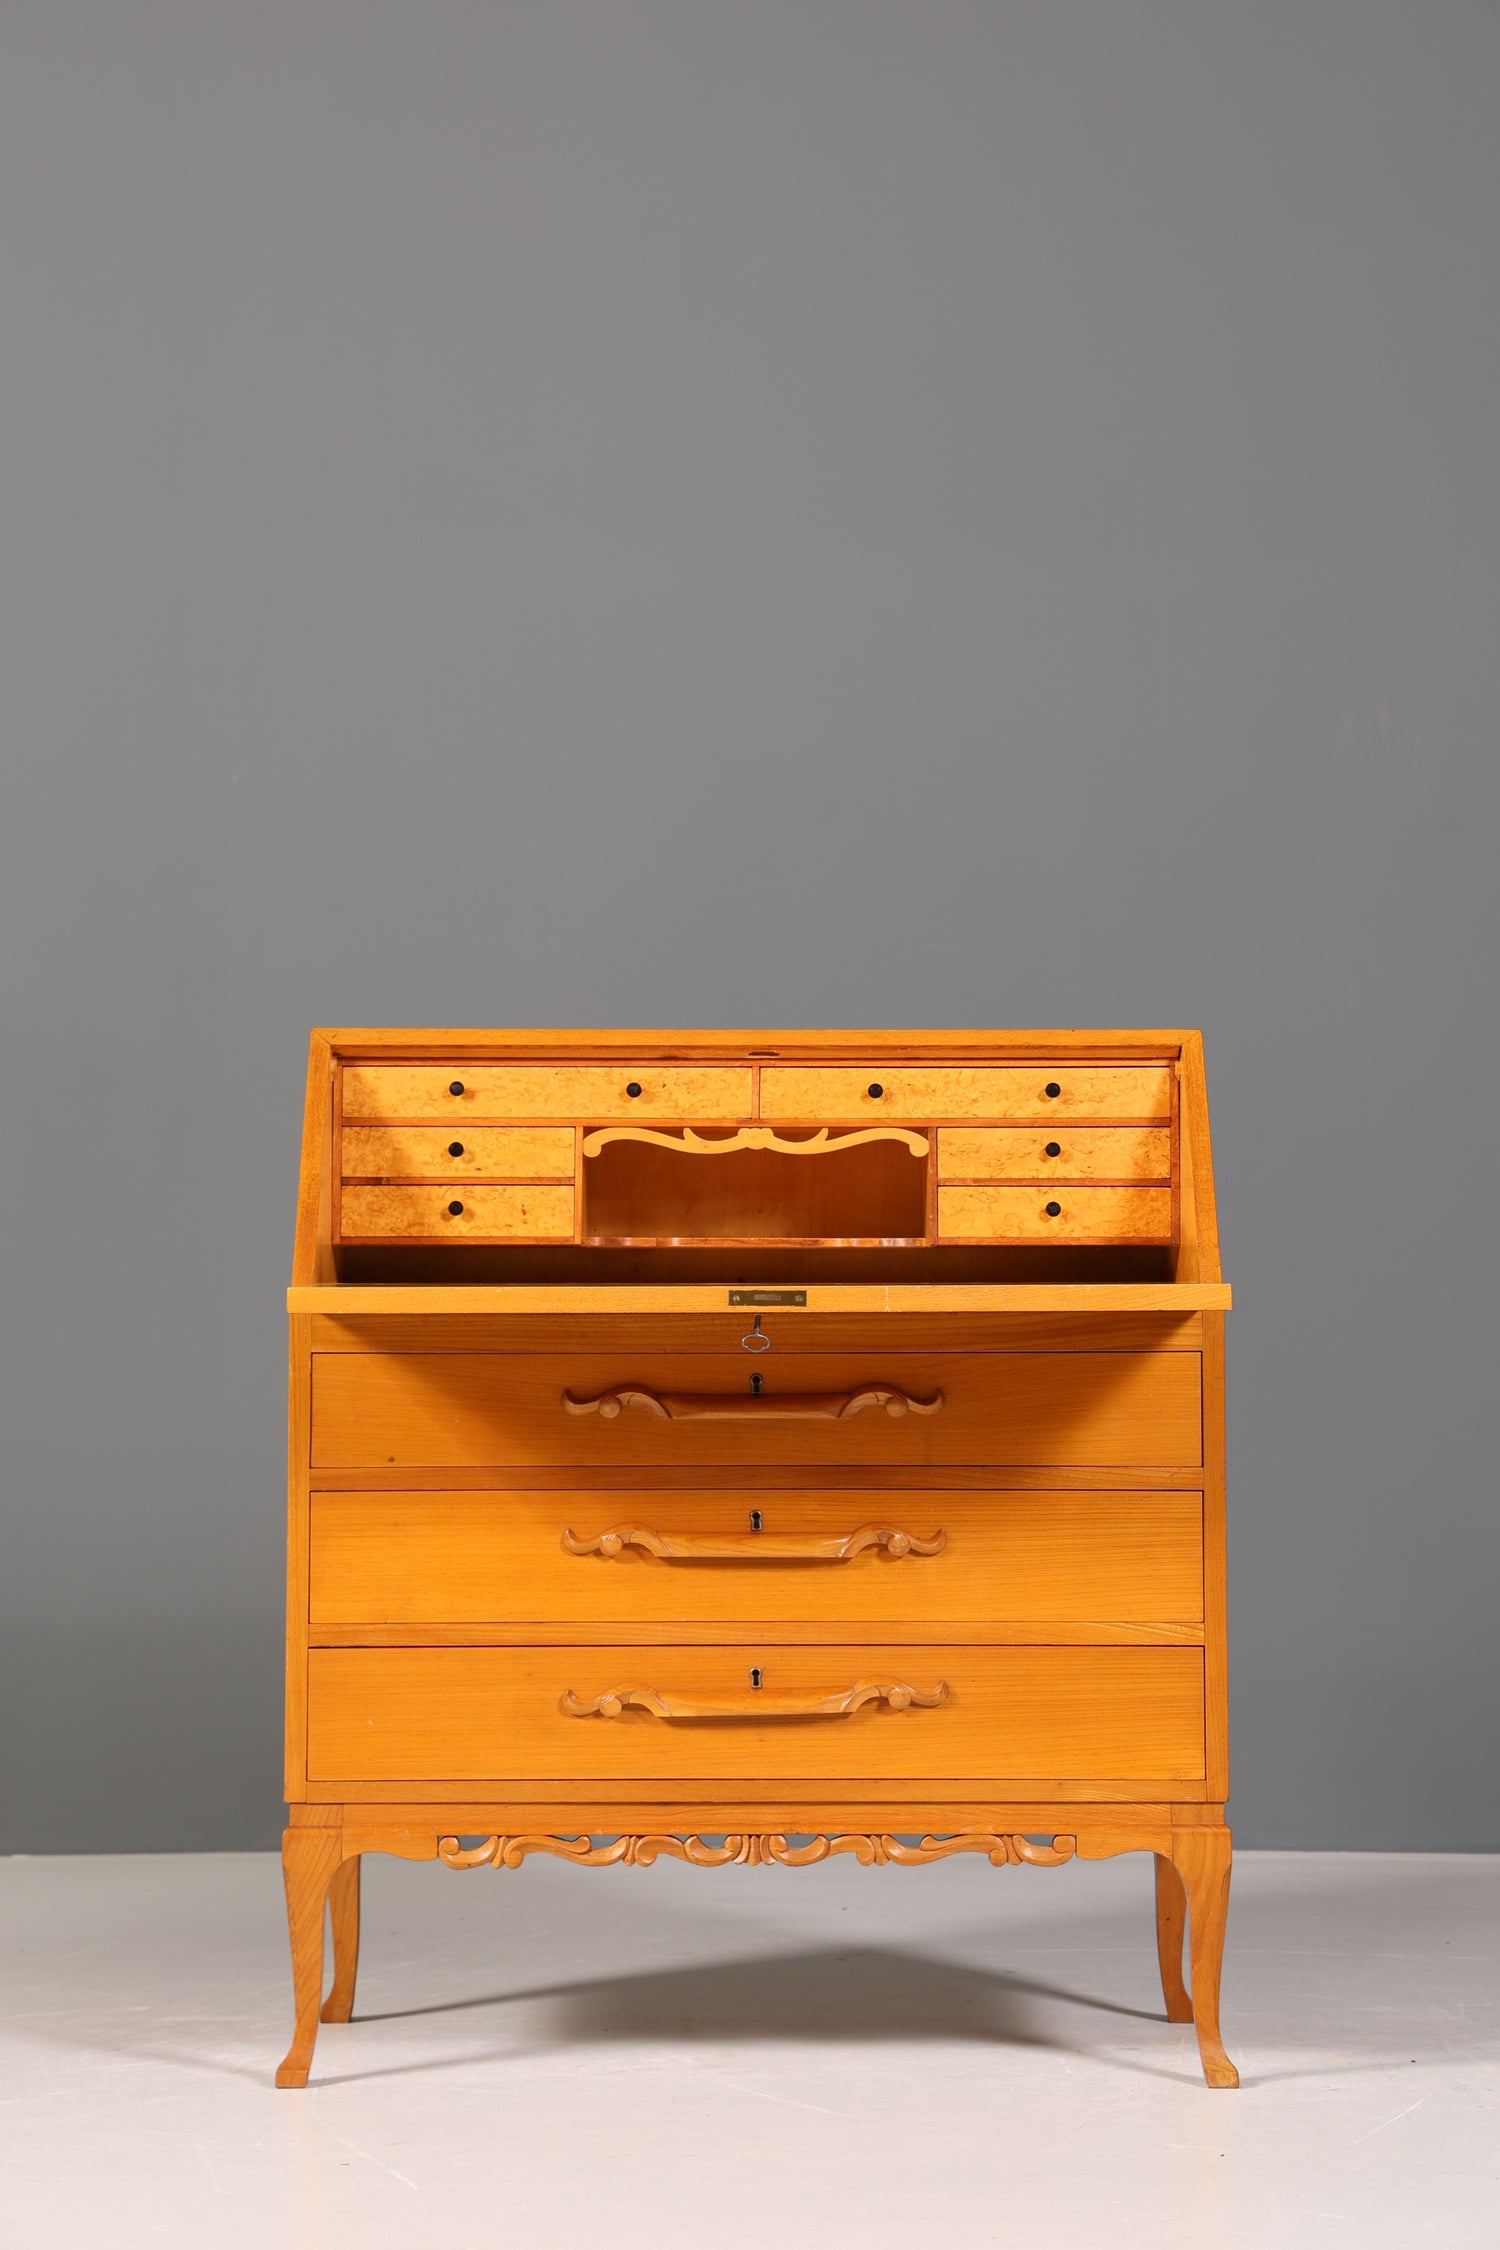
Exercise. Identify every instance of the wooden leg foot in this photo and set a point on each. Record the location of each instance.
(1202, 1860)
(1171, 1929)
(343, 1913)
(309, 1859)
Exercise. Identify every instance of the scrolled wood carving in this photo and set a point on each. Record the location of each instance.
(746, 1406)
(689, 1143)
(896, 1695)
(759, 1850)
(754, 1546)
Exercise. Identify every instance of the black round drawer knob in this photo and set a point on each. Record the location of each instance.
(1054, 1148)
(875, 1091)
(454, 1209)
(633, 1088)
(1052, 1089)
(1054, 1210)
(455, 1148)
(457, 1087)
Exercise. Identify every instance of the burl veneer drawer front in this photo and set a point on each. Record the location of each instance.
(444, 1558)
(466, 1409)
(1137, 1091)
(835, 1713)
(599, 1092)
(472, 1213)
(1058, 1214)
(436, 1152)
(1114, 1153)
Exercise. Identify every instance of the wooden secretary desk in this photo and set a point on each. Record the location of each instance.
(749, 1446)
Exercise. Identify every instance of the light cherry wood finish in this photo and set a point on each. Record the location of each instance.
(468, 1152)
(343, 1917)
(708, 1327)
(405, 1558)
(469, 1409)
(1138, 1094)
(1115, 1302)
(309, 1860)
(574, 1091)
(1055, 1212)
(497, 1714)
(1171, 1930)
(917, 1550)
(457, 1211)
(1109, 1154)
(1202, 1859)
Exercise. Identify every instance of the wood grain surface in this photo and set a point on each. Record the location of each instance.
(472, 1714)
(436, 1409)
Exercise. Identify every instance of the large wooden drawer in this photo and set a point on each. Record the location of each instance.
(493, 1714)
(447, 1558)
(595, 1092)
(1140, 1092)
(468, 1409)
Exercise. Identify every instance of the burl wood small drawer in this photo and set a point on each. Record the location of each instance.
(843, 1713)
(438, 1152)
(1113, 1154)
(447, 1558)
(468, 1409)
(481, 1212)
(598, 1092)
(1138, 1092)
(1063, 1213)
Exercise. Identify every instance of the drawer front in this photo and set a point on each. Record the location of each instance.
(597, 1092)
(1113, 1153)
(1058, 1214)
(449, 1558)
(477, 1152)
(483, 1714)
(466, 1409)
(469, 1213)
(1141, 1092)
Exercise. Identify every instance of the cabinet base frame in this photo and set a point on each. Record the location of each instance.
(322, 1848)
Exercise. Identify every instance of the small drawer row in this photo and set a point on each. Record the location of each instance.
(603, 1093)
(1114, 1154)
(517, 1211)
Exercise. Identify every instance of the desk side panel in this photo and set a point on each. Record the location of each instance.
(1215, 1601)
(299, 1454)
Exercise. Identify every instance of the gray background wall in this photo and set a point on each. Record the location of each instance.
(820, 511)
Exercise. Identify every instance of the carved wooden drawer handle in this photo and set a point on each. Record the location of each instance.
(754, 1546)
(743, 1406)
(896, 1695)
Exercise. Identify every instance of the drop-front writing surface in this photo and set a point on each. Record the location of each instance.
(705, 1435)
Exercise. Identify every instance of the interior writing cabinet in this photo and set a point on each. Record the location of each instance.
(755, 1446)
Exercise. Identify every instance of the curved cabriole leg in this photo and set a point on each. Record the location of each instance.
(309, 1858)
(1202, 1856)
(1171, 1928)
(343, 1913)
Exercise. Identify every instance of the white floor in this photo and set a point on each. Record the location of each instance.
(950, 2055)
